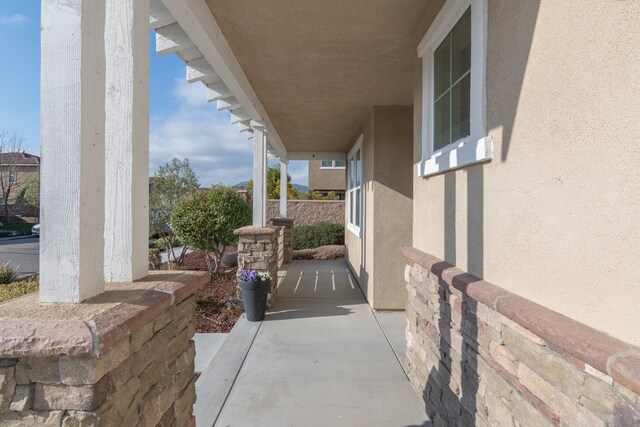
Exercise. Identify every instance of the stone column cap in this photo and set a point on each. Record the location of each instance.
(31, 329)
(255, 231)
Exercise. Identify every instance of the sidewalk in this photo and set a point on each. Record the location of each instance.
(320, 358)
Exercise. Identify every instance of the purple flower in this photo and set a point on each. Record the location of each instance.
(249, 275)
(254, 276)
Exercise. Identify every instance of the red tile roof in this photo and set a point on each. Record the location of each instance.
(19, 159)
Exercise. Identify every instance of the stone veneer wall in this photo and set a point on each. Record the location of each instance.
(307, 212)
(124, 358)
(258, 250)
(286, 243)
(480, 355)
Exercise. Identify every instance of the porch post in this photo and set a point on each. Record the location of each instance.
(72, 139)
(283, 188)
(259, 176)
(127, 132)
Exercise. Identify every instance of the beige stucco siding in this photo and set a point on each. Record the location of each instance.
(555, 217)
(374, 258)
(325, 179)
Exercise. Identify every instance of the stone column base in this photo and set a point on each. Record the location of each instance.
(257, 250)
(125, 357)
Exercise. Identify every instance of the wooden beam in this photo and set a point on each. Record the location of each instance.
(217, 90)
(200, 70)
(239, 115)
(171, 38)
(259, 178)
(72, 111)
(189, 54)
(202, 28)
(245, 128)
(127, 153)
(283, 188)
(159, 16)
(229, 103)
(312, 155)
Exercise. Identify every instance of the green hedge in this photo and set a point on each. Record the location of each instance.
(321, 234)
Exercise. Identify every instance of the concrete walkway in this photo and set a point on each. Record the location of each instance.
(320, 358)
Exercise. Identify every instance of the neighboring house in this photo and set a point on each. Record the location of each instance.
(492, 177)
(17, 169)
(327, 176)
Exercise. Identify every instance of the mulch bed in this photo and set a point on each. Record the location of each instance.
(217, 306)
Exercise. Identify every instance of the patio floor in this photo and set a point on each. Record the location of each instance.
(320, 358)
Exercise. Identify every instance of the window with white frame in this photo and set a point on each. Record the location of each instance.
(354, 188)
(332, 164)
(13, 176)
(453, 88)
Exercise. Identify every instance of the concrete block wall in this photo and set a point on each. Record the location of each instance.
(308, 212)
(480, 355)
(125, 357)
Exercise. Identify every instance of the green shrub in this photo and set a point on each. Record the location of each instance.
(321, 234)
(206, 221)
(8, 274)
(17, 289)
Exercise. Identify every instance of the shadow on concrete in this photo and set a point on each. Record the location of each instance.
(323, 310)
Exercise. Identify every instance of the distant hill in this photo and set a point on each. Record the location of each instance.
(299, 187)
(241, 185)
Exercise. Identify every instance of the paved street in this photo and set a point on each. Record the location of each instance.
(21, 252)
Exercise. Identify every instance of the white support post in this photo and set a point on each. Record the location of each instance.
(259, 177)
(72, 148)
(126, 229)
(283, 188)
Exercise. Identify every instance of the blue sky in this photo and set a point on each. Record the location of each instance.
(182, 122)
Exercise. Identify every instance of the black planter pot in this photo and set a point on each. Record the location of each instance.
(254, 298)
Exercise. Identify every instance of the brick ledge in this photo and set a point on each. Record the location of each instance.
(616, 358)
(31, 329)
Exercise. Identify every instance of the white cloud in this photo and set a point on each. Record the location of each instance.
(15, 19)
(217, 151)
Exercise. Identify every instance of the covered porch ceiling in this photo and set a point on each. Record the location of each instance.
(317, 66)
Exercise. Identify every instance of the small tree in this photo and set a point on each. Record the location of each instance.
(10, 176)
(172, 182)
(273, 185)
(30, 194)
(206, 221)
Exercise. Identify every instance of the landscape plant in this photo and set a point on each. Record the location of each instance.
(10, 176)
(29, 196)
(273, 185)
(206, 220)
(8, 274)
(321, 234)
(171, 183)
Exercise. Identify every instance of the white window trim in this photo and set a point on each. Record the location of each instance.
(477, 147)
(333, 162)
(352, 227)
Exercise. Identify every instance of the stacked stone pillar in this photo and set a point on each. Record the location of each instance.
(123, 358)
(257, 250)
(287, 226)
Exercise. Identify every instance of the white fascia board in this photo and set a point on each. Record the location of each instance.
(197, 21)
